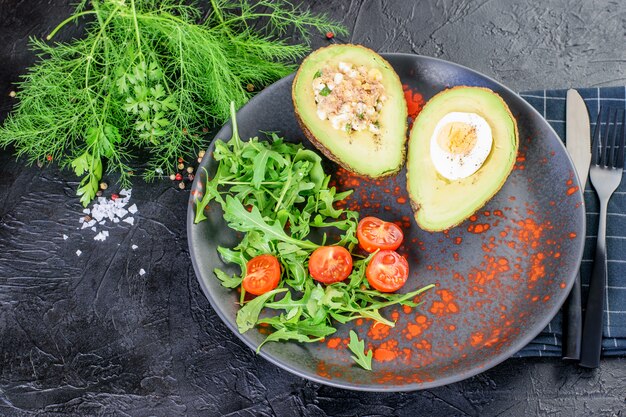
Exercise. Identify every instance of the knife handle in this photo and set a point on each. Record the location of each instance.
(573, 324)
(591, 348)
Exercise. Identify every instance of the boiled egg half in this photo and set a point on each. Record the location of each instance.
(460, 144)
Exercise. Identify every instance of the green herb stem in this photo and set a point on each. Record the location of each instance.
(66, 21)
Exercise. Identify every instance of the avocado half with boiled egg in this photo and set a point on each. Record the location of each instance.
(350, 104)
(462, 147)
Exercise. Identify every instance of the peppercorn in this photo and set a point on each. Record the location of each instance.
(180, 159)
(49, 158)
(178, 177)
(181, 185)
(181, 166)
(114, 197)
(99, 193)
(250, 87)
(190, 169)
(104, 185)
(172, 177)
(12, 94)
(190, 177)
(201, 154)
(330, 35)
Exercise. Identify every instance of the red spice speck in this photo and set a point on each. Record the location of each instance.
(476, 338)
(330, 35)
(572, 235)
(414, 330)
(572, 190)
(114, 197)
(378, 331)
(478, 228)
(414, 101)
(49, 158)
(458, 240)
(334, 342)
(401, 200)
(446, 305)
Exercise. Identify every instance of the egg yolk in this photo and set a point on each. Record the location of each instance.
(457, 138)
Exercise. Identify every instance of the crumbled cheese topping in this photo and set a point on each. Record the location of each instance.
(350, 97)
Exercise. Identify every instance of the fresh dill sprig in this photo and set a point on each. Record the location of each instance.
(146, 79)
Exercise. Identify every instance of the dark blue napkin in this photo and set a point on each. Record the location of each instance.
(551, 104)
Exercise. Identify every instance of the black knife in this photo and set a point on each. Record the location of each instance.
(578, 143)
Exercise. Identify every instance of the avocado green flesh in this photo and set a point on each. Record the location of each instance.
(441, 203)
(358, 151)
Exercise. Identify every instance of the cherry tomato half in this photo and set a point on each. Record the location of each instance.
(387, 271)
(374, 233)
(329, 264)
(263, 274)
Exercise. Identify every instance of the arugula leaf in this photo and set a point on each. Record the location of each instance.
(285, 334)
(261, 165)
(227, 280)
(242, 220)
(248, 315)
(362, 358)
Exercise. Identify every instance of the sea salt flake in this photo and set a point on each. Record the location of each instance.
(134, 247)
(120, 212)
(100, 236)
(132, 209)
(116, 220)
(65, 237)
(87, 211)
(94, 229)
(78, 252)
(129, 220)
(142, 272)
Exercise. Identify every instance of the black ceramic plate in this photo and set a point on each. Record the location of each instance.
(500, 276)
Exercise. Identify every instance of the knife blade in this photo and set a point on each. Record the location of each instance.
(578, 144)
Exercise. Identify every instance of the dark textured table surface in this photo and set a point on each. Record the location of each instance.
(90, 336)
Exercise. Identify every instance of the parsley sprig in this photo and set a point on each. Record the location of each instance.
(277, 194)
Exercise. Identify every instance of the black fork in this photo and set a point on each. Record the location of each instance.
(607, 164)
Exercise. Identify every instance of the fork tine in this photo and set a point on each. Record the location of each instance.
(619, 164)
(595, 146)
(604, 136)
(612, 131)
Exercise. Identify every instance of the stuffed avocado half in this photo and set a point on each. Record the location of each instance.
(462, 147)
(349, 103)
